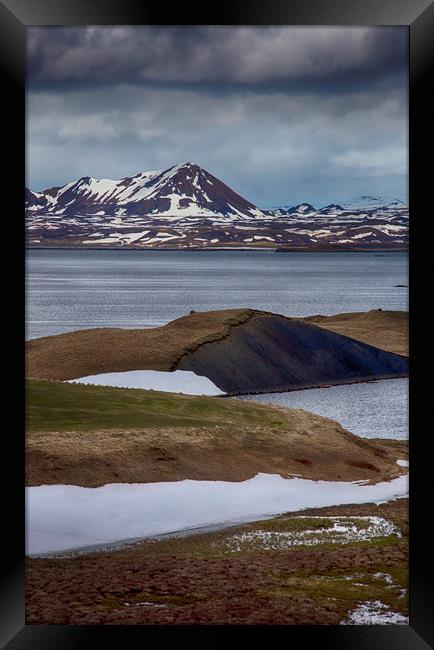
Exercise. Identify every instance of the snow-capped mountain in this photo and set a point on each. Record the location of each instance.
(185, 190)
(301, 209)
(332, 208)
(372, 202)
(187, 207)
(362, 202)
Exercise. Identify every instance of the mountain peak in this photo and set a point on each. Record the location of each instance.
(188, 165)
(183, 190)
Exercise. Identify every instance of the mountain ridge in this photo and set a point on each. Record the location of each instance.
(184, 206)
(179, 190)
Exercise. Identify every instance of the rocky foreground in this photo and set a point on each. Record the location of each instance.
(328, 566)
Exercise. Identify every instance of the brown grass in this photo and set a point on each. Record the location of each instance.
(387, 330)
(93, 351)
(308, 445)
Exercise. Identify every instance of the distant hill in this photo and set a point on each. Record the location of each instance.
(372, 203)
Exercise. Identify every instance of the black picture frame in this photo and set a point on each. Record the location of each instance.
(15, 17)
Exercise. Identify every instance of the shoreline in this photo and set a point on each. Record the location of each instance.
(220, 249)
(189, 438)
(322, 385)
(130, 543)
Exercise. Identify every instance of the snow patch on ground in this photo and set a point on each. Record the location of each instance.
(178, 381)
(374, 613)
(386, 577)
(343, 530)
(65, 517)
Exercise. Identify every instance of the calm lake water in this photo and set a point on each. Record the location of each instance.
(372, 409)
(70, 290)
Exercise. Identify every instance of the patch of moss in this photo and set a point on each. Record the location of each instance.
(294, 524)
(390, 540)
(342, 592)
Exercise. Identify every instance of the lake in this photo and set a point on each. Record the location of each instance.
(376, 409)
(76, 289)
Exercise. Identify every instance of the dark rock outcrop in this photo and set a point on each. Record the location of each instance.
(272, 353)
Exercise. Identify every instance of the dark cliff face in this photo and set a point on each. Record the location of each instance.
(271, 353)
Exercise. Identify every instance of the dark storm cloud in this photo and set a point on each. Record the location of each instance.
(281, 58)
(282, 115)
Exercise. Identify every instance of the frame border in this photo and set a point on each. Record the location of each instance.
(418, 15)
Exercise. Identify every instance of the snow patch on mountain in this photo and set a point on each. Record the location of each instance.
(366, 202)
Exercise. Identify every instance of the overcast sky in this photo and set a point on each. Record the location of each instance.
(280, 114)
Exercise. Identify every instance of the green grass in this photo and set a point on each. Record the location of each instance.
(57, 406)
(344, 594)
(218, 544)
